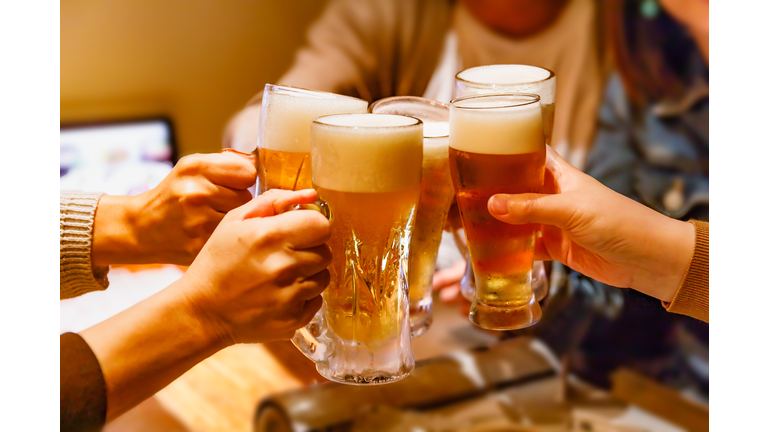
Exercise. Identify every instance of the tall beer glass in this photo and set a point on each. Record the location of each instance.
(435, 200)
(283, 140)
(497, 146)
(367, 170)
(506, 78)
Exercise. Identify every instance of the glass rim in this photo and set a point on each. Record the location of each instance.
(533, 98)
(299, 90)
(318, 121)
(405, 99)
(464, 80)
(419, 99)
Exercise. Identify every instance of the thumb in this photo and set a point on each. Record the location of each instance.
(526, 208)
(273, 202)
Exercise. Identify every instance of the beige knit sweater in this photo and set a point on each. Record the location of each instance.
(76, 274)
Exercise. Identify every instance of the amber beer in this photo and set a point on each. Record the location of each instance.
(284, 125)
(497, 146)
(367, 170)
(434, 202)
(510, 78)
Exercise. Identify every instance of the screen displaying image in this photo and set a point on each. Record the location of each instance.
(124, 158)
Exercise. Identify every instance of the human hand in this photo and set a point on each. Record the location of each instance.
(258, 278)
(260, 275)
(171, 223)
(601, 233)
(447, 283)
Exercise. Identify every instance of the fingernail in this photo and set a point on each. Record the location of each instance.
(499, 205)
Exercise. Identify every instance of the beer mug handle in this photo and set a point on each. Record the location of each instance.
(319, 206)
(255, 154)
(311, 339)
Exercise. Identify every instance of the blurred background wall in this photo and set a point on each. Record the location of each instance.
(195, 61)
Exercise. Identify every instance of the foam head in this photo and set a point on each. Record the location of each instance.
(287, 114)
(432, 113)
(436, 129)
(507, 78)
(497, 124)
(366, 152)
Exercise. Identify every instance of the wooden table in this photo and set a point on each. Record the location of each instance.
(222, 392)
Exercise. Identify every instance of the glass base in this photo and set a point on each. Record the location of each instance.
(360, 380)
(468, 282)
(420, 314)
(504, 318)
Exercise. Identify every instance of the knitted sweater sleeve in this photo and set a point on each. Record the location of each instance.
(76, 274)
(692, 298)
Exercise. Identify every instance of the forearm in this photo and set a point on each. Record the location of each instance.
(146, 347)
(115, 239)
(669, 249)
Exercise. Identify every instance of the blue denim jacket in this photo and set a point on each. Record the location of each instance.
(649, 154)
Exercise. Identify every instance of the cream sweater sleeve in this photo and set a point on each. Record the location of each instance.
(76, 275)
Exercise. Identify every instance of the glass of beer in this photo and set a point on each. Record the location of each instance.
(497, 146)
(366, 169)
(510, 78)
(283, 141)
(435, 200)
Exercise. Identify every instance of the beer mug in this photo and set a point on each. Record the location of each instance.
(434, 202)
(496, 145)
(283, 141)
(510, 78)
(366, 169)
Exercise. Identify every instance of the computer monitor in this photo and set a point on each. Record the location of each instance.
(116, 157)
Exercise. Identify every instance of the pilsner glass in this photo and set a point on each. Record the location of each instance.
(366, 169)
(435, 200)
(283, 140)
(506, 78)
(497, 146)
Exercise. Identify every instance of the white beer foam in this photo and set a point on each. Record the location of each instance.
(366, 152)
(507, 78)
(285, 123)
(435, 129)
(489, 125)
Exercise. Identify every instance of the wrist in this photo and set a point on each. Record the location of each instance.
(682, 242)
(115, 231)
(673, 250)
(198, 310)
